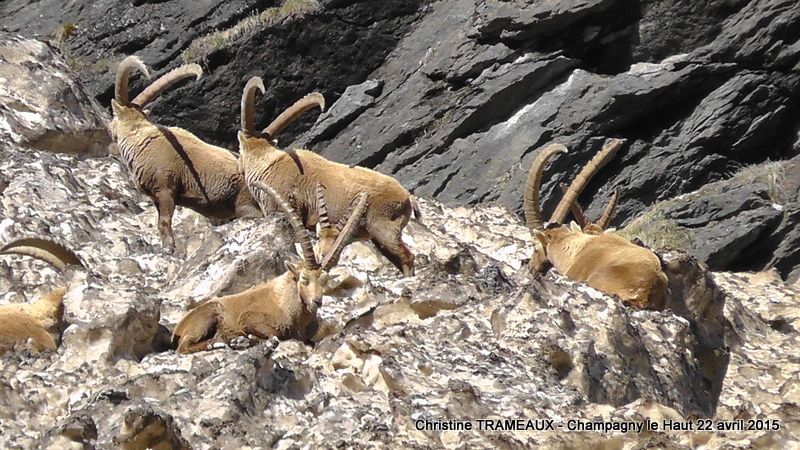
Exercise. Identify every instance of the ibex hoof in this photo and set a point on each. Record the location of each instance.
(240, 343)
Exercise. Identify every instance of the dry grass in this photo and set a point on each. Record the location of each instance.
(290, 9)
(657, 231)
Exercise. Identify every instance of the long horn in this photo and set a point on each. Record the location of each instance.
(124, 70)
(600, 159)
(575, 208)
(300, 232)
(605, 219)
(249, 104)
(341, 241)
(530, 197)
(293, 112)
(48, 251)
(166, 81)
(322, 207)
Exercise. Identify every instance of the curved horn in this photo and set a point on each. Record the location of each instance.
(293, 112)
(300, 232)
(600, 159)
(322, 207)
(530, 197)
(124, 70)
(249, 104)
(166, 81)
(575, 208)
(341, 241)
(605, 219)
(45, 250)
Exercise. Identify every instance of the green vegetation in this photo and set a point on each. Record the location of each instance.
(290, 9)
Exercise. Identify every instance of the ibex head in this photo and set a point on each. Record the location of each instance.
(311, 274)
(130, 111)
(554, 234)
(250, 138)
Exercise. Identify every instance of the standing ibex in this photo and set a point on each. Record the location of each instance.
(171, 165)
(39, 320)
(284, 307)
(604, 261)
(296, 174)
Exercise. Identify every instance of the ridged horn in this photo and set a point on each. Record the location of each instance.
(166, 81)
(600, 159)
(575, 208)
(530, 197)
(322, 207)
(45, 250)
(124, 70)
(341, 241)
(605, 219)
(249, 104)
(291, 113)
(300, 232)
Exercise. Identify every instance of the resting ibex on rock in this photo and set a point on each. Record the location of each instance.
(35, 322)
(284, 307)
(171, 165)
(603, 260)
(295, 174)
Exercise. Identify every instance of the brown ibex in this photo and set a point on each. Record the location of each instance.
(35, 322)
(171, 165)
(284, 307)
(603, 260)
(295, 174)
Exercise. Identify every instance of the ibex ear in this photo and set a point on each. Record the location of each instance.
(294, 267)
(574, 226)
(540, 236)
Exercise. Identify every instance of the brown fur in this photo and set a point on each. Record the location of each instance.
(603, 260)
(389, 209)
(295, 174)
(37, 321)
(174, 167)
(284, 307)
(606, 262)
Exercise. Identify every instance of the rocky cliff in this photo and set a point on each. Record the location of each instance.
(452, 97)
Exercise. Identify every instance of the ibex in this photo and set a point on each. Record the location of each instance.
(603, 260)
(35, 322)
(171, 165)
(284, 307)
(296, 173)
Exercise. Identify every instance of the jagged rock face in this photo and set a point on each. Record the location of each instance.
(454, 97)
(43, 105)
(749, 221)
(472, 336)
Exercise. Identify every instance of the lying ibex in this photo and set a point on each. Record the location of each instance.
(284, 307)
(171, 165)
(604, 261)
(35, 322)
(297, 173)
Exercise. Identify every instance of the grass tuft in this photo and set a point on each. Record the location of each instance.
(200, 48)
